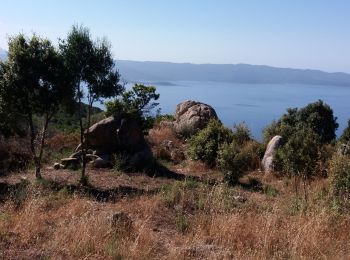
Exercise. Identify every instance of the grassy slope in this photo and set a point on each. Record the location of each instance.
(181, 219)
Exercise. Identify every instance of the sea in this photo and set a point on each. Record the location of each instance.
(257, 105)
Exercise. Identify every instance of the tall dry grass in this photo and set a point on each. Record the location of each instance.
(186, 220)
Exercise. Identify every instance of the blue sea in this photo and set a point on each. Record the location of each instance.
(255, 104)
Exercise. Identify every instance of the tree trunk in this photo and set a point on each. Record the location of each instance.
(83, 179)
(42, 144)
(32, 147)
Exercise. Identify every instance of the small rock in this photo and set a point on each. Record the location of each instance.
(100, 163)
(56, 166)
(70, 163)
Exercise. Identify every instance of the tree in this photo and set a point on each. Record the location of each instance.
(345, 137)
(90, 65)
(317, 116)
(137, 102)
(33, 85)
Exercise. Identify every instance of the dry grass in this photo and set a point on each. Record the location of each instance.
(158, 134)
(186, 220)
(14, 154)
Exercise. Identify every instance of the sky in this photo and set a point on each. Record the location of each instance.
(312, 34)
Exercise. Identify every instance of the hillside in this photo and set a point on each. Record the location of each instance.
(149, 71)
(154, 71)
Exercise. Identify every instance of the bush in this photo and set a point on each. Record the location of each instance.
(241, 133)
(339, 172)
(137, 102)
(234, 160)
(300, 154)
(345, 137)
(316, 116)
(205, 144)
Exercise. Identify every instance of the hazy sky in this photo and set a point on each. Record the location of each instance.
(286, 33)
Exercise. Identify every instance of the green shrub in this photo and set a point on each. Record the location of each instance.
(234, 160)
(317, 116)
(300, 154)
(241, 133)
(339, 172)
(345, 137)
(205, 144)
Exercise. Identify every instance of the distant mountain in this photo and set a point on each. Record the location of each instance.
(165, 72)
(149, 71)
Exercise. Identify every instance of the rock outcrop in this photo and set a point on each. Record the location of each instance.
(267, 162)
(192, 116)
(115, 134)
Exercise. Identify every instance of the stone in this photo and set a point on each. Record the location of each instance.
(267, 162)
(115, 133)
(140, 159)
(57, 166)
(76, 155)
(192, 116)
(72, 163)
(91, 157)
(101, 163)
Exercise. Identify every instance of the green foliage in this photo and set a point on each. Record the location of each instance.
(345, 137)
(241, 133)
(33, 76)
(89, 63)
(205, 144)
(137, 102)
(300, 154)
(235, 159)
(33, 83)
(120, 163)
(68, 120)
(339, 172)
(316, 116)
(181, 222)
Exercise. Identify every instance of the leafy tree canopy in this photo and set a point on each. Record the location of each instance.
(317, 116)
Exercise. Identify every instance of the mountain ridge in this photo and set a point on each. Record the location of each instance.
(163, 71)
(149, 71)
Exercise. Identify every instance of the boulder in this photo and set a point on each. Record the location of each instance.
(72, 163)
(113, 134)
(275, 143)
(140, 159)
(91, 157)
(58, 166)
(192, 116)
(76, 155)
(101, 163)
